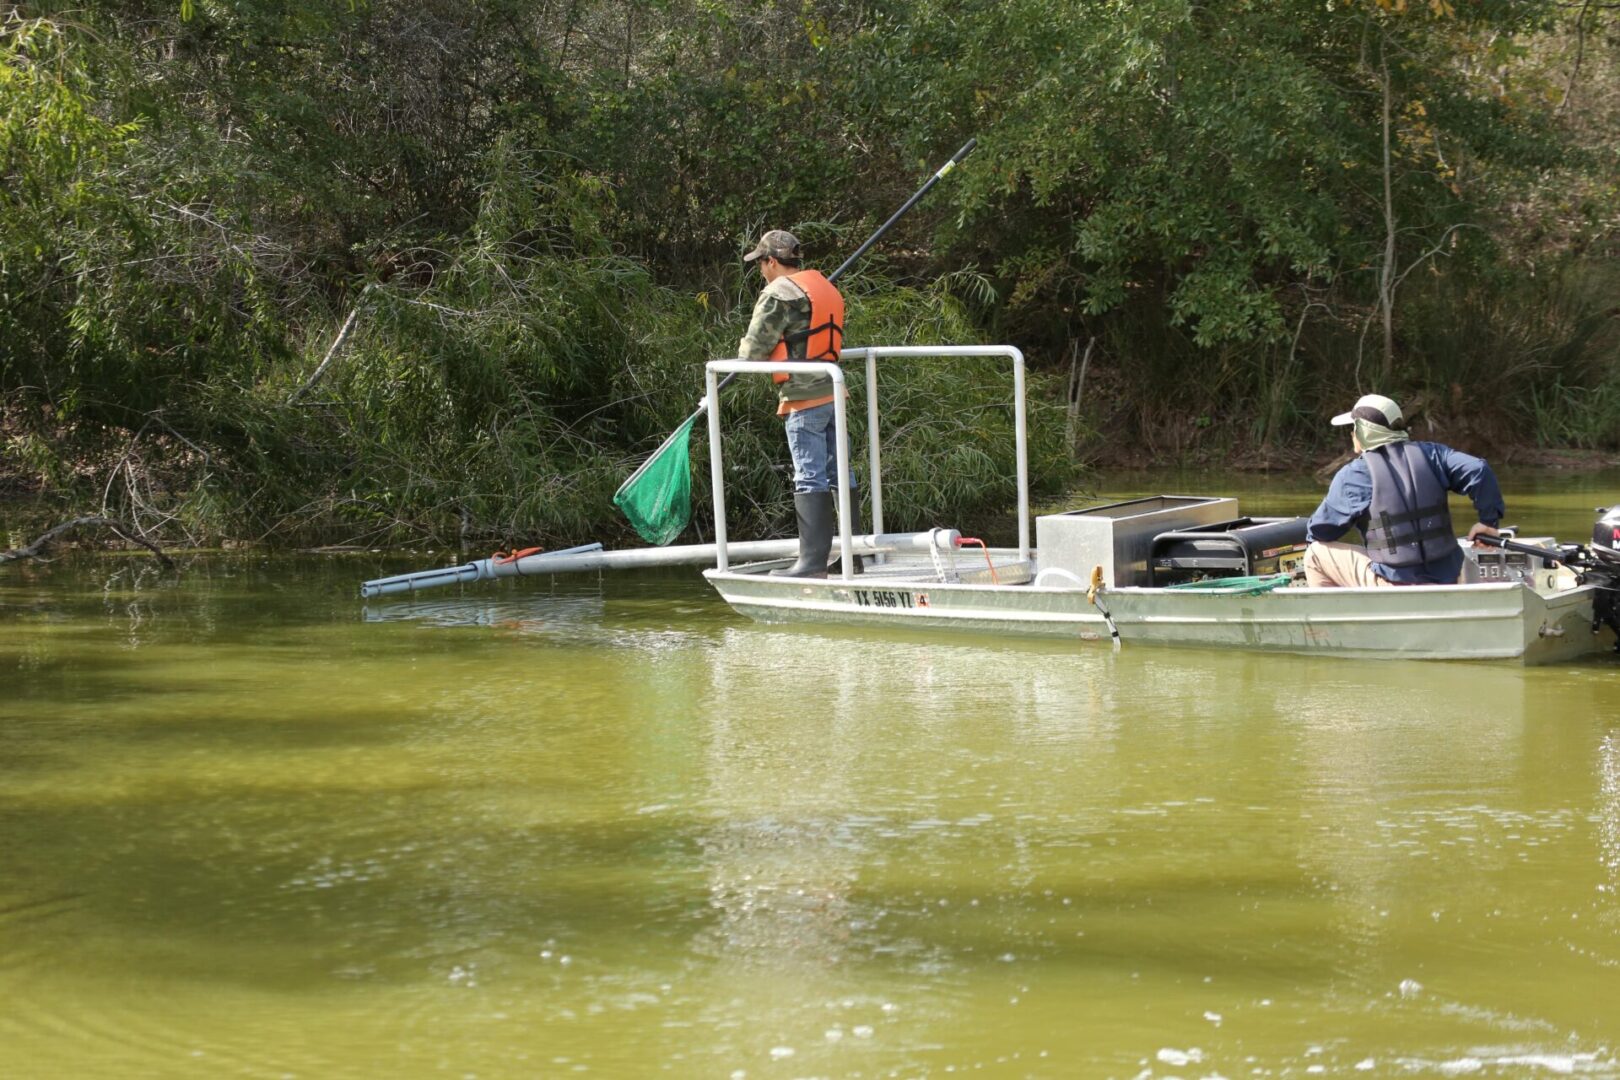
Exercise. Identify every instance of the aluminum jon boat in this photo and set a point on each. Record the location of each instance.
(1171, 569)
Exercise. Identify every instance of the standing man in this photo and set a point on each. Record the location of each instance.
(800, 316)
(1395, 493)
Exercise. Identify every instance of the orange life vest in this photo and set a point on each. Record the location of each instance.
(825, 337)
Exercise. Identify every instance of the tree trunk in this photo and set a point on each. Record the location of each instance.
(1387, 273)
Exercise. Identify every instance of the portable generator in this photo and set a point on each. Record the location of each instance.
(1241, 547)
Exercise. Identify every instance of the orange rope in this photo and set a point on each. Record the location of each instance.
(966, 540)
(501, 558)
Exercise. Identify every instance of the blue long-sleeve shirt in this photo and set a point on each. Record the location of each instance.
(1350, 495)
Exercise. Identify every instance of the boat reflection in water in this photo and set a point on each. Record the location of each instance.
(963, 812)
(532, 614)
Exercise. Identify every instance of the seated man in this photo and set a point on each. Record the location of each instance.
(1395, 493)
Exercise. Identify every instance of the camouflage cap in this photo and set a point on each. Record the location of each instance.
(778, 244)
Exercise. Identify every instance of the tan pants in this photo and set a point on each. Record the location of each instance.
(1344, 566)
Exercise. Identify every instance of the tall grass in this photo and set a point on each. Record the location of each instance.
(502, 389)
(1506, 359)
(1537, 357)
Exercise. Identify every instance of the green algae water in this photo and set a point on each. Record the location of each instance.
(253, 827)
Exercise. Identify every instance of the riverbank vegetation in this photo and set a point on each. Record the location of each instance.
(387, 272)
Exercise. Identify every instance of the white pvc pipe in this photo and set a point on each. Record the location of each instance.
(874, 460)
(592, 557)
(846, 565)
(717, 474)
(1020, 412)
(477, 570)
(1021, 435)
(840, 430)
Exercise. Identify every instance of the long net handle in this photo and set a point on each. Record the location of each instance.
(939, 174)
(665, 445)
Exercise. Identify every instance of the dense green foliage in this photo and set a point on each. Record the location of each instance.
(1225, 215)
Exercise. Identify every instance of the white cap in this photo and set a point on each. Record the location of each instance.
(1375, 408)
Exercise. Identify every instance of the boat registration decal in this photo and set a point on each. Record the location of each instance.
(884, 598)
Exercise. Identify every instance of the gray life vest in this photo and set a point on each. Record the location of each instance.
(1408, 522)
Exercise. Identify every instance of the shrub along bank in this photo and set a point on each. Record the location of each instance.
(1208, 225)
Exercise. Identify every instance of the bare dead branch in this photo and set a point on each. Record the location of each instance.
(1580, 53)
(1437, 249)
(1077, 386)
(331, 354)
(118, 528)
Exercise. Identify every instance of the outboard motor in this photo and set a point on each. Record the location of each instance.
(1605, 572)
(1606, 533)
(1597, 565)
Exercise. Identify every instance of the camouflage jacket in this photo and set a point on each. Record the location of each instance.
(782, 309)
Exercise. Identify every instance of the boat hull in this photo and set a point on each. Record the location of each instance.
(874, 600)
(1495, 621)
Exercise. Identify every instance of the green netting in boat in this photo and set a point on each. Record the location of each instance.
(1236, 586)
(658, 497)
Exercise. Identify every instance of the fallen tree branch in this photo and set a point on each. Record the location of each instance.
(331, 354)
(124, 532)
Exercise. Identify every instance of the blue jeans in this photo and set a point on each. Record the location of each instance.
(813, 441)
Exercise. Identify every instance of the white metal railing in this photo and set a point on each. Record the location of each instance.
(870, 354)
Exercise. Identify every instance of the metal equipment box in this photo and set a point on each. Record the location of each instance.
(1241, 547)
(1119, 536)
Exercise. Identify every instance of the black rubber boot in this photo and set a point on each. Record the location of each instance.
(816, 517)
(836, 569)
